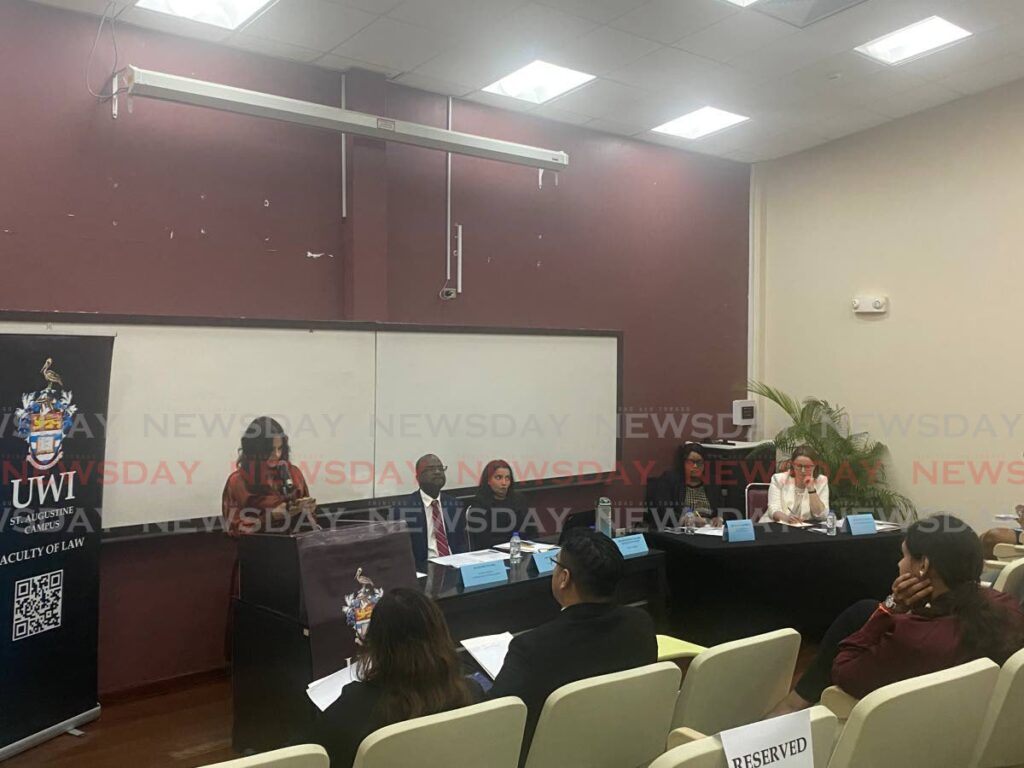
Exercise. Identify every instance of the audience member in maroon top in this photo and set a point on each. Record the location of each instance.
(937, 617)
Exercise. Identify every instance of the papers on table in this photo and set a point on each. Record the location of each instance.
(326, 690)
(470, 558)
(529, 547)
(489, 651)
(792, 525)
(710, 531)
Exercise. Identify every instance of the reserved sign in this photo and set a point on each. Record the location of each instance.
(781, 742)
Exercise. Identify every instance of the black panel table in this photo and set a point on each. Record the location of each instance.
(788, 577)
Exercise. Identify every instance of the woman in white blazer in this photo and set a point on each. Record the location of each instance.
(799, 495)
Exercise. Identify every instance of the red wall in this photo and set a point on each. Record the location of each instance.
(635, 237)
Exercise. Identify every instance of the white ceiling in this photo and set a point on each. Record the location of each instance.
(655, 59)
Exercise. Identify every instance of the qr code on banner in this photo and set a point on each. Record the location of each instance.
(37, 604)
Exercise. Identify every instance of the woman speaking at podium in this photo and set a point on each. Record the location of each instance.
(266, 493)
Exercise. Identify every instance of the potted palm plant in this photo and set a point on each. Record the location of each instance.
(855, 464)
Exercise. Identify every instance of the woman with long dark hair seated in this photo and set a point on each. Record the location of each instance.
(407, 668)
(687, 486)
(938, 616)
(497, 510)
(266, 493)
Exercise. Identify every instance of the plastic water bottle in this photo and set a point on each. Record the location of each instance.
(830, 523)
(515, 549)
(689, 523)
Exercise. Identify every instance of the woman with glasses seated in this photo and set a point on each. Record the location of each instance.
(800, 494)
(686, 487)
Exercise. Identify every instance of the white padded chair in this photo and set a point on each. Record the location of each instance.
(1001, 743)
(737, 683)
(619, 720)
(933, 720)
(708, 752)
(1011, 578)
(1008, 552)
(304, 756)
(488, 734)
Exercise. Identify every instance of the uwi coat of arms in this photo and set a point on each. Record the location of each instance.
(45, 418)
(359, 605)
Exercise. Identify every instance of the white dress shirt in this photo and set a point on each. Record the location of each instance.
(784, 496)
(429, 513)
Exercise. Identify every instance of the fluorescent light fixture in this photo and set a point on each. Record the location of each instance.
(916, 40)
(229, 14)
(538, 82)
(742, 3)
(701, 122)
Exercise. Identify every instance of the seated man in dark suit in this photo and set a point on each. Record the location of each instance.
(592, 636)
(436, 521)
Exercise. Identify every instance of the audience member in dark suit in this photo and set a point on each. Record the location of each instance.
(497, 510)
(687, 486)
(591, 636)
(938, 616)
(436, 521)
(407, 668)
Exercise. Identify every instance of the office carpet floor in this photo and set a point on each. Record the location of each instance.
(185, 725)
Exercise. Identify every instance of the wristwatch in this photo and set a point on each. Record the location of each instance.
(890, 605)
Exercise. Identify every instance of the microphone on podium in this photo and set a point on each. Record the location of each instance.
(285, 475)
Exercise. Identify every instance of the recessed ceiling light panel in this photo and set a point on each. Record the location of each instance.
(742, 3)
(229, 14)
(918, 39)
(701, 122)
(538, 82)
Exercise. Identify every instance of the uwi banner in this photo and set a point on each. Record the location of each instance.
(53, 418)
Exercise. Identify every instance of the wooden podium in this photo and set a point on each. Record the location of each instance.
(290, 624)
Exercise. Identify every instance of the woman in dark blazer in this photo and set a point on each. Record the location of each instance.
(407, 669)
(686, 486)
(498, 510)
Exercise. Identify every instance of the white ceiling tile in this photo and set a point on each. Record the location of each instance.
(174, 25)
(845, 122)
(316, 24)
(372, 6)
(654, 109)
(968, 53)
(95, 7)
(990, 75)
(424, 83)
(600, 98)
(500, 101)
(737, 34)
(274, 48)
(783, 56)
(741, 156)
(603, 51)
(866, 21)
(476, 65)
(538, 27)
(341, 63)
(602, 11)
(915, 100)
(393, 44)
(669, 69)
(670, 20)
(553, 112)
(463, 18)
(609, 126)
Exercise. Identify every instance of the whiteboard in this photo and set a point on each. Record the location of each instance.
(181, 397)
(546, 404)
(359, 407)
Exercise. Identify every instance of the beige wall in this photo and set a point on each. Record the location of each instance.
(928, 210)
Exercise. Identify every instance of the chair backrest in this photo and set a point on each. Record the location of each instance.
(757, 500)
(1002, 733)
(1008, 551)
(610, 721)
(1011, 579)
(303, 756)
(737, 683)
(709, 753)
(484, 734)
(933, 720)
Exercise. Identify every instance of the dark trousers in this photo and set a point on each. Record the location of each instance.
(818, 676)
